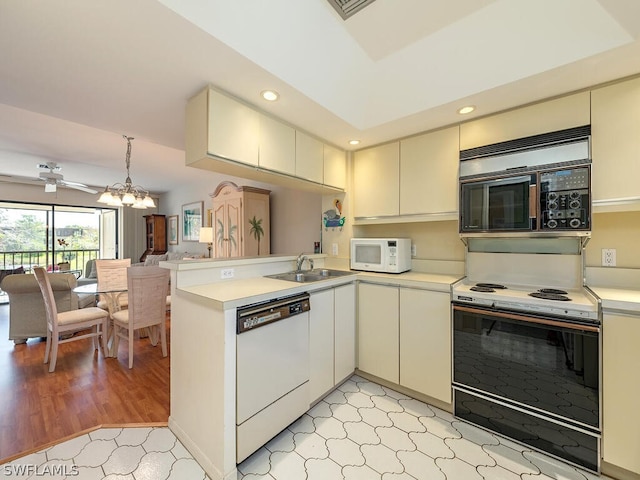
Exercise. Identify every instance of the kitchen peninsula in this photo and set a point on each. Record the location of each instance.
(205, 297)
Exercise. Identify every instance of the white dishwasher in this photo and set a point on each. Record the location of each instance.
(272, 374)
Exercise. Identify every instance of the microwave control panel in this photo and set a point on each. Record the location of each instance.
(565, 200)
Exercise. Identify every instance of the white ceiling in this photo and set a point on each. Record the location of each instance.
(75, 74)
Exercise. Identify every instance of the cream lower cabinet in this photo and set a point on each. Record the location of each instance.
(321, 343)
(378, 331)
(344, 331)
(332, 342)
(621, 390)
(425, 342)
(615, 125)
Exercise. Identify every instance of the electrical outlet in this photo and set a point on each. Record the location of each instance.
(227, 273)
(413, 250)
(608, 257)
(334, 249)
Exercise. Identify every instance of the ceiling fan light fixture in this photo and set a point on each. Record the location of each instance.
(50, 187)
(126, 193)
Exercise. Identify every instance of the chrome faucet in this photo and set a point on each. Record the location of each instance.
(300, 261)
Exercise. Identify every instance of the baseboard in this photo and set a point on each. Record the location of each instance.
(616, 472)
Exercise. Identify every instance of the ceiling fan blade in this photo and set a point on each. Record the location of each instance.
(78, 186)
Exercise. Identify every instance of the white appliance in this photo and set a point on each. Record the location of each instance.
(387, 255)
(272, 384)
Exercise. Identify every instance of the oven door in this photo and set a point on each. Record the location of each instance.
(498, 205)
(545, 365)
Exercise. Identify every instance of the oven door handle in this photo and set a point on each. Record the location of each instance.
(522, 318)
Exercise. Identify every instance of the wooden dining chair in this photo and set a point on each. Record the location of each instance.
(71, 321)
(112, 275)
(147, 287)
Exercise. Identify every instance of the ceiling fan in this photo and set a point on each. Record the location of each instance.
(52, 179)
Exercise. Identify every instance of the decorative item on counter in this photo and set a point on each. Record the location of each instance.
(333, 218)
(316, 247)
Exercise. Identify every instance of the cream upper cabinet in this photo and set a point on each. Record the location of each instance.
(378, 331)
(566, 112)
(620, 363)
(277, 146)
(376, 181)
(335, 167)
(429, 173)
(615, 125)
(309, 157)
(425, 342)
(221, 126)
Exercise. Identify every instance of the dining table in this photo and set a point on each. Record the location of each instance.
(112, 297)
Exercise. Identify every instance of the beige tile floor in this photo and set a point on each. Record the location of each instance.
(359, 431)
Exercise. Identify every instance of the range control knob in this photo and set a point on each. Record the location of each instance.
(574, 204)
(553, 223)
(573, 195)
(552, 196)
(574, 223)
(552, 205)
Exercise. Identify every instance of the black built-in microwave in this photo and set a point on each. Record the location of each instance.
(536, 184)
(546, 200)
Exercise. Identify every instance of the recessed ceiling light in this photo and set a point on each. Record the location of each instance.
(467, 109)
(354, 142)
(270, 95)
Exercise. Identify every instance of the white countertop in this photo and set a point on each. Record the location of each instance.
(619, 299)
(234, 293)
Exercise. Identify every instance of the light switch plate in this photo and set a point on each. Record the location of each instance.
(608, 257)
(334, 249)
(227, 273)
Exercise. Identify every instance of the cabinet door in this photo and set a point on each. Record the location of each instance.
(335, 167)
(233, 130)
(220, 230)
(621, 390)
(558, 114)
(425, 342)
(320, 344)
(277, 146)
(345, 331)
(378, 331)
(376, 181)
(226, 217)
(309, 161)
(429, 173)
(615, 143)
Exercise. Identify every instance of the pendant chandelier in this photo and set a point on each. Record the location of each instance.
(126, 193)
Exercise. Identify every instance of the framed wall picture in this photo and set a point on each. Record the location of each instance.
(172, 230)
(191, 221)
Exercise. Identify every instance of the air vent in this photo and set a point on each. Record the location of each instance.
(346, 8)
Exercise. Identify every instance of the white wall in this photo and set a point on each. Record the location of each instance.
(295, 215)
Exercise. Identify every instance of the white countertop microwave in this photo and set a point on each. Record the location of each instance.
(387, 255)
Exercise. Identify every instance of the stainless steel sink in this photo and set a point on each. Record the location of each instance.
(306, 276)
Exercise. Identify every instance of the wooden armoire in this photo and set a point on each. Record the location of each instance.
(240, 221)
(155, 235)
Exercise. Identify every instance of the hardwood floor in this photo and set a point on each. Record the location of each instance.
(86, 390)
